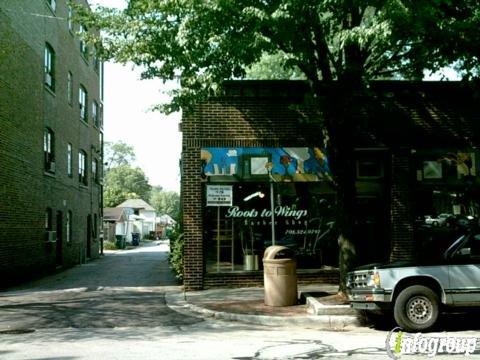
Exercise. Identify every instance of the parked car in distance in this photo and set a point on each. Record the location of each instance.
(417, 292)
(440, 220)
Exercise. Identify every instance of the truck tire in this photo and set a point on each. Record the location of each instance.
(416, 308)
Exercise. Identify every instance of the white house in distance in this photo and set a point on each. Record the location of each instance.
(141, 218)
(115, 221)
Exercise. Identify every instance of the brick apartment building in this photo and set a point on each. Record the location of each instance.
(50, 140)
(416, 160)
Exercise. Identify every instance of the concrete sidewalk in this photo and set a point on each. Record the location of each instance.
(246, 305)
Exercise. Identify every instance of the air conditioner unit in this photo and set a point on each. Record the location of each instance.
(51, 166)
(51, 236)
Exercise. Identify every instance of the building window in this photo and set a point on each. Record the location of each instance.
(255, 197)
(49, 62)
(95, 114)
(70, 18)
(95, 170)
(48, 219)
(70, 87)
(69, 160)
(83, 43)
(82, 167)
(69, 226)
(83, 102)
(52, 4)
(49, 150)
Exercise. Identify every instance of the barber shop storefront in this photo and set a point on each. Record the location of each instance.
(257, 197)
(255, 172)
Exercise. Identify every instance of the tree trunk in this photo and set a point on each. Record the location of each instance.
(341, 113)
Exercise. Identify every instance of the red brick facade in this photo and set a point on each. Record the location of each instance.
(27, 108)
(263, 116)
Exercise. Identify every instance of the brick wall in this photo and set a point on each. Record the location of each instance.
(26, 109)
(257, 119)
(244, 279)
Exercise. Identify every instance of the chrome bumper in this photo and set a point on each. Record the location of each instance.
(368, 299)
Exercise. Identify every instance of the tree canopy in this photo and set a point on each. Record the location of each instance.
(202, 43)
(165, 202)
(125, 182)
(118, 154)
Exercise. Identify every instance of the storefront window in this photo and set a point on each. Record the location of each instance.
(238, 212)
(446, 199)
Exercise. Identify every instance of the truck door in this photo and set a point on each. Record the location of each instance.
(465, 273)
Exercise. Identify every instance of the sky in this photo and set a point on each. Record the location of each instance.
(153, 135)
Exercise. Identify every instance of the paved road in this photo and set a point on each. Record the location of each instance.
(125, 289)
(114, 308)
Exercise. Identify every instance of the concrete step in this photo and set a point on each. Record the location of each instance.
(315, 307)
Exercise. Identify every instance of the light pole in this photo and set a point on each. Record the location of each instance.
(269, 167)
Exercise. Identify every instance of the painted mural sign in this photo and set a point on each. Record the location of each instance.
(297, 164)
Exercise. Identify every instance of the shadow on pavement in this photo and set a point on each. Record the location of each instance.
(145, 266)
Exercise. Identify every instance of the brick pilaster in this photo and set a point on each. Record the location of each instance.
(402, 245)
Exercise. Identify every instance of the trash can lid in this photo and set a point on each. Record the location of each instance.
(278, 252)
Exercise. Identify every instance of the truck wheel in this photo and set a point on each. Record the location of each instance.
(416, 308)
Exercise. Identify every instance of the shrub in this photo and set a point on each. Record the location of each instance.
(176, 253)
(109, 245)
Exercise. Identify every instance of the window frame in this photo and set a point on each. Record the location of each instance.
(83, 103)
(49, 150)
(48, 219)
(49, 67)
(82, 168)
(69, 160)
(95, 114)
(83, 45)
(70, 23)
(70, 88)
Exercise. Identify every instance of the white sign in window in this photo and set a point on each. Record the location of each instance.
(219, 195)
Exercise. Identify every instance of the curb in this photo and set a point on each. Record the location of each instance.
(315, 307)
(176, 302)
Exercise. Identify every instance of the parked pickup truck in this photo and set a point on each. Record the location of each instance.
(417, 292)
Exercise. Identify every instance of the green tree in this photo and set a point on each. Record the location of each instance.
(348, 42)
(125, 182)
(165, 202)
(118, 154)
(273, 67)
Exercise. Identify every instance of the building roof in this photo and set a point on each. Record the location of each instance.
(114, 214)
(136, 204)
